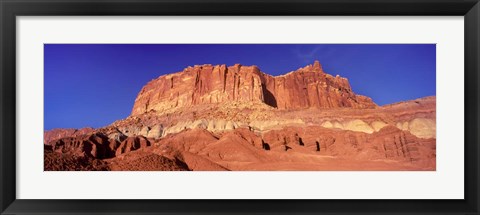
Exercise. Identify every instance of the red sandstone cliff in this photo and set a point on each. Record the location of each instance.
(239, 118)
(307, 87)
(312, 87)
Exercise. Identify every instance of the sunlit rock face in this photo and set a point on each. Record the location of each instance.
(206, 84)
(312, 87)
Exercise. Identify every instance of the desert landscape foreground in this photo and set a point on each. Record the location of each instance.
(237, 118)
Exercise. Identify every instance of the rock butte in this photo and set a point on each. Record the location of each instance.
(239, 118)
(206, 84)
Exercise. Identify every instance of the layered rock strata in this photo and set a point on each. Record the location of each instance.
(207, 84)
(239, 118)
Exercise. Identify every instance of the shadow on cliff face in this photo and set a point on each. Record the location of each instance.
(269, 97)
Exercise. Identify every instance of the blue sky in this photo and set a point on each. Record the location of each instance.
(95, 84)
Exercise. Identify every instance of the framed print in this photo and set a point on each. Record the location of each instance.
(242, 107)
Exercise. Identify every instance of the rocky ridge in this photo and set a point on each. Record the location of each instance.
(206, 84)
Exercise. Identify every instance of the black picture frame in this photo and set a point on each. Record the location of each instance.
(10, 9)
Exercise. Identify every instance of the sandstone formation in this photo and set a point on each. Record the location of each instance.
(58, 133)
(206, 84)
(219, 118)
